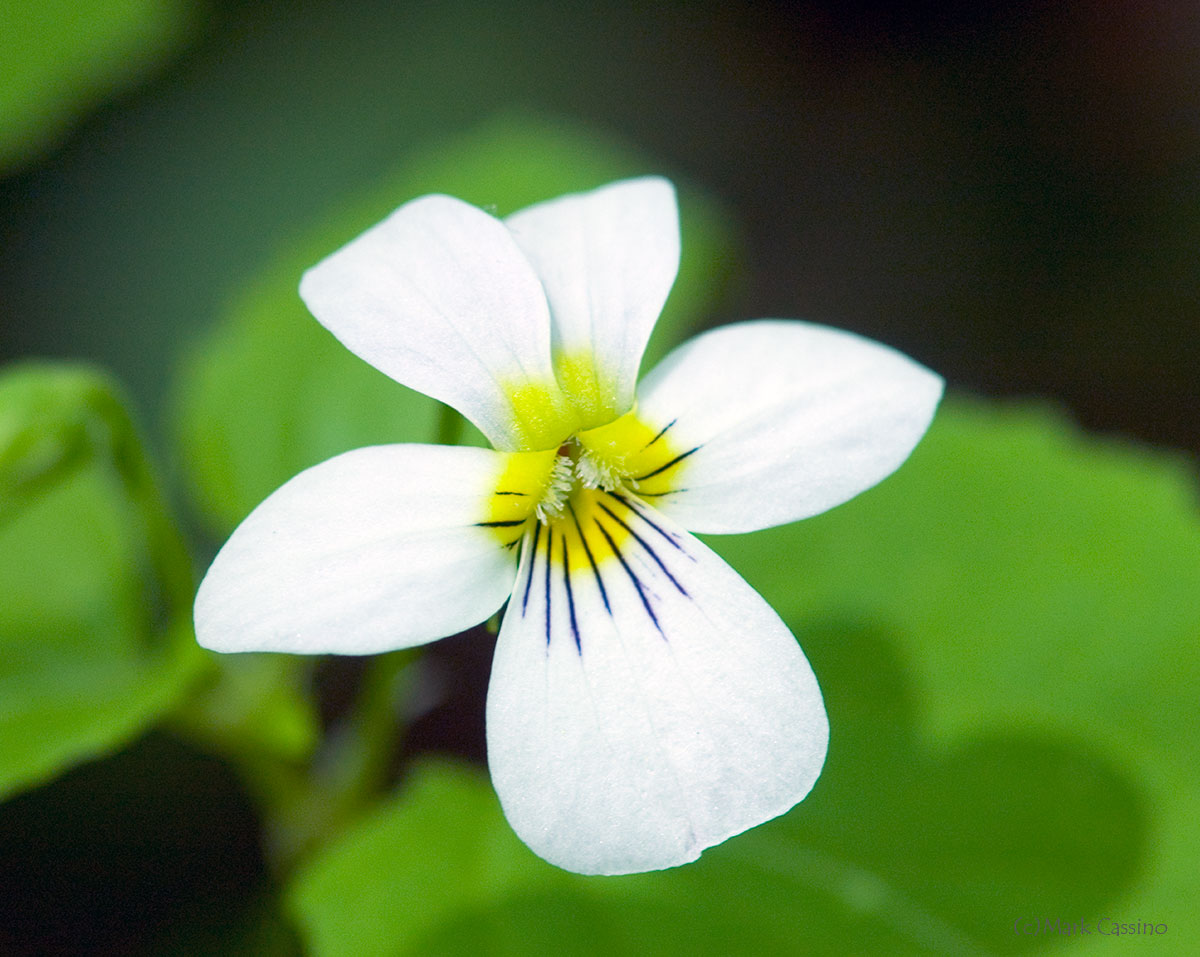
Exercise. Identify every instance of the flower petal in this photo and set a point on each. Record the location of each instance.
(645, 702)
(780, 420)
(607, 260)
(376, 549)
(439, 297)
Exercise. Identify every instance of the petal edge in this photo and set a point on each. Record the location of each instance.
(372, 550)
(787, 419)
(439, 297)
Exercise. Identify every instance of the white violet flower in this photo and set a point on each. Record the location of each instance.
(645, 702)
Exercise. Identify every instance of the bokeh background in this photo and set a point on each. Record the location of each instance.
(1006, 632)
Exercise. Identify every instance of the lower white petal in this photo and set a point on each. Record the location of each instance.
(645, 702)
(376, 549)
(777, 420)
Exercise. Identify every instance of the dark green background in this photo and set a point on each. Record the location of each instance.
(1007, 191)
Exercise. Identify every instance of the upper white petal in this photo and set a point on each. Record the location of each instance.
(373, 550)
(439, 297)
(607, 260)
(630, 729)
(786, 419)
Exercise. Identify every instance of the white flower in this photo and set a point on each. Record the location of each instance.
(645, 702)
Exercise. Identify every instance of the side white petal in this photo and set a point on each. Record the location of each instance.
(607, 260)
(373, 550)
(439, 297)
(655, 707)
(782, 420)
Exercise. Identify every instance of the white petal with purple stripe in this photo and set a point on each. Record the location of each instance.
(645, 702)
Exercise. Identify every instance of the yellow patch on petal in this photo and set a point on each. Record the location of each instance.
(542, 417)
(580, 380)
(591, 532)
(546, 414)
(640, 455)
(526, 481)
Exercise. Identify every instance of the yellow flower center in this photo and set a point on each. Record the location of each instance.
(581, 492)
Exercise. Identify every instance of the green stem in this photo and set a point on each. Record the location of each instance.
(349, 771)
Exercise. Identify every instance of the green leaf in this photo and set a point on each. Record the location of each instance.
(902, 849)
(62, 57)
(255, 707)
(990, 627)
(95, 586)
(1042, 587)
(440, 841)
(438, 870)
(270, 392)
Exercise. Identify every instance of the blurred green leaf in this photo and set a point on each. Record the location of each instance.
(257, 707)
(970, 783)
(439, 871)
(1035, 581)
(270, 392)
(261, 716)
(61, 57)
(423, 856)
(95, 585)
(901, 850)
(944, 845)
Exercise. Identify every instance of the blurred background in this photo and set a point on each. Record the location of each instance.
(1009, 193)
(1005, 191)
